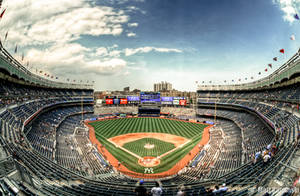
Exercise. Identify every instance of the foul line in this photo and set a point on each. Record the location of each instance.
(117, 146)
(180, 146)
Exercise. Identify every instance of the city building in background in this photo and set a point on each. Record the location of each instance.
(162, 87)
(126, 89)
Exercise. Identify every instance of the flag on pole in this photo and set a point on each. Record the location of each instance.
(266, 69)
(270, 65)
(1, 15)
(5, 35)
(275, 59)
(296, 16)
(282, 51)
(293, 37)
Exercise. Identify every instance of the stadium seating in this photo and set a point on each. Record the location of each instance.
(42, 135)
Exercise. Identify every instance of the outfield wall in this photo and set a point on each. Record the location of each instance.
(173, 171)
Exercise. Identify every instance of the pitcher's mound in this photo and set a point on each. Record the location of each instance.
(149, 161)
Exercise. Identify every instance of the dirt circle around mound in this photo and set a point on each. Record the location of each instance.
(149, 161)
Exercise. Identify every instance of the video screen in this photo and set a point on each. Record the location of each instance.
(150, 97)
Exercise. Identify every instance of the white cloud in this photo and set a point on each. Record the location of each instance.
(114, 65)
(289, 8)
(115, 53)
(108, 52)
(115, 46)
(41, 22)
(133, 24)
(101, 51)
(52, 29)
(131, 34)
(124, 1)
(130, 51)
(70, 59)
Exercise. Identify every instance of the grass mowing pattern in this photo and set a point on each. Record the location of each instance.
(160, 147)
(109, 128)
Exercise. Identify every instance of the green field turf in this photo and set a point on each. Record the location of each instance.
(109, 128)
(160, 147)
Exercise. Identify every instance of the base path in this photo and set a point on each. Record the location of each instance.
(174, 170)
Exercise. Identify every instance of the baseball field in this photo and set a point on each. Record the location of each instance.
(147, 145)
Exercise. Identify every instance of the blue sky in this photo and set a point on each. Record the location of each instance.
(136, 43)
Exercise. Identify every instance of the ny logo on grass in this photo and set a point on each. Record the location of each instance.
(148, 170)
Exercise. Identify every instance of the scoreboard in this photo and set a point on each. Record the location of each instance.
(149, 97)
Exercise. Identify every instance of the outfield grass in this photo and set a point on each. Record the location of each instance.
(110, 128)
(160, 147)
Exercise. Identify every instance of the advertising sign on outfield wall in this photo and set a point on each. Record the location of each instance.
(167, 102)
(176, 102)
(99, 101)
(109, 101)
(182, 102)
(123, 101)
